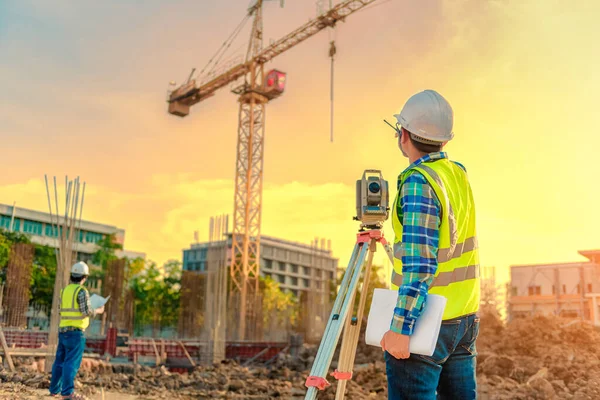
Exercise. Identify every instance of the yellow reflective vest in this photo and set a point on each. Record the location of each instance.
(457, 275)
(69, 308)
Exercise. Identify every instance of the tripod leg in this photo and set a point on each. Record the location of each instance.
(335, 324)
(352, 330)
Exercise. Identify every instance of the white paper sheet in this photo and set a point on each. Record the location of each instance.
(427, 328)
(98, 301)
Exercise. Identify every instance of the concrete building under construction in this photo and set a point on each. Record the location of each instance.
(297, 267)
(564, 289)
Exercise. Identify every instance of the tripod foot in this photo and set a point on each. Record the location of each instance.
(317, 381)
(342, 376)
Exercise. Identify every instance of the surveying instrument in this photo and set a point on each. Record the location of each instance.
(372, 210)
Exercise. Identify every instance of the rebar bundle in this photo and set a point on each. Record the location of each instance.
(65, 227)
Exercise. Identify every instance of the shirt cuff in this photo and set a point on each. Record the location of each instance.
(403, 325)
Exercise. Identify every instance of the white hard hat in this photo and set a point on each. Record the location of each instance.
(428, 116)
(80, 268)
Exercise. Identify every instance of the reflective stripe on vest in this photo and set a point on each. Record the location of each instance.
(446, 278)
(457, 275)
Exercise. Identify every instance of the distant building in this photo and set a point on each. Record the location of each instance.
(297, 267)
(38, 225)
(564, 289)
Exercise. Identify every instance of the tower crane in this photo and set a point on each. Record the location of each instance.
(254, 94)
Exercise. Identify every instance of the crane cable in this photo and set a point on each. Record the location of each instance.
(332, 51)
(225, 46)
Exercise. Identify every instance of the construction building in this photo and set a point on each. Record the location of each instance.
(565, 289)
(38, 225)
(297, 267)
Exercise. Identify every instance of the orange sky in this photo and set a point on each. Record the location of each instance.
(84, 88)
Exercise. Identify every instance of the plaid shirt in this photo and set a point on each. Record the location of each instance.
(419, 211)
(85, 307)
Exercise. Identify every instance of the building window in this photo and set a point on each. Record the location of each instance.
(319, 285)
(294, 268)
(553, 289)
(331, 275)
(281, 266)
(281, 278)
(32, 227)
(294, 281)
(92, 237)
(306, 271)
(274, 252)
(305, 283)
(319, 274)
(5, 223)
(267, 264)
(589, 288)
(295, 293)
(514, 291)
(535, 290)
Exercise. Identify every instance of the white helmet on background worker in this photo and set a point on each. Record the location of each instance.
(80, 268)
(428, 117)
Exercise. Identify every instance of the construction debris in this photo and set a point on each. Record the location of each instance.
(537, 358)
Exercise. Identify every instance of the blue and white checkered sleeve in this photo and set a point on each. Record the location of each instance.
(420, 211)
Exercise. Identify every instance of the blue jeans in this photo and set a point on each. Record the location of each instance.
(66, 364)
(448, 374)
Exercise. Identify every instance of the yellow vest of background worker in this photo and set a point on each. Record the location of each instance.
(457, 275)
(70, 315)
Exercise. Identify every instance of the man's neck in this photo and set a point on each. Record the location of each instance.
(415, 156)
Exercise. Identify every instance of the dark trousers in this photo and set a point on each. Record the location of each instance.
(448, 374)
(66, 364)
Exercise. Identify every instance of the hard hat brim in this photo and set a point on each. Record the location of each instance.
(404, 124)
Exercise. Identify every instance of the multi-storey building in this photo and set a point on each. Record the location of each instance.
(38, 225)
(297, 267)
(564, 289)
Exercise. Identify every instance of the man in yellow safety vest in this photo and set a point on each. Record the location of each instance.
(75, 313)
(435, 251)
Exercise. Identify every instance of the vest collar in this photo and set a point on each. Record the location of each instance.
(426, 158)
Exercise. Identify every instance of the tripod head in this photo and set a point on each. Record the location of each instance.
(372, 200)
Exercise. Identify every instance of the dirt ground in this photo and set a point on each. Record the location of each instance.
(538, 358)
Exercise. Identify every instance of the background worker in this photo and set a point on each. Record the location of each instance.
(75, 313)
(435, 251)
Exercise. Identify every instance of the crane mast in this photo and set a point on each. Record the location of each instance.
(253, 97)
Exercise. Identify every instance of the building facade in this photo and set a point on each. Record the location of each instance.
(297, 267)
(565, 289)
(38, 225)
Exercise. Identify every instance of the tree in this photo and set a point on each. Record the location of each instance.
(7, 239)
(157, 292)
(44, 273)
(277, 304)
(376, 280)
(107, 248)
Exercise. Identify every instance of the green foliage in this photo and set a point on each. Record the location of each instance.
(105, 253)
(43, 276)
(4, 251)
(376, 280)
(283, 306)
(6, 241)
(157, 292)
(15, 237)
